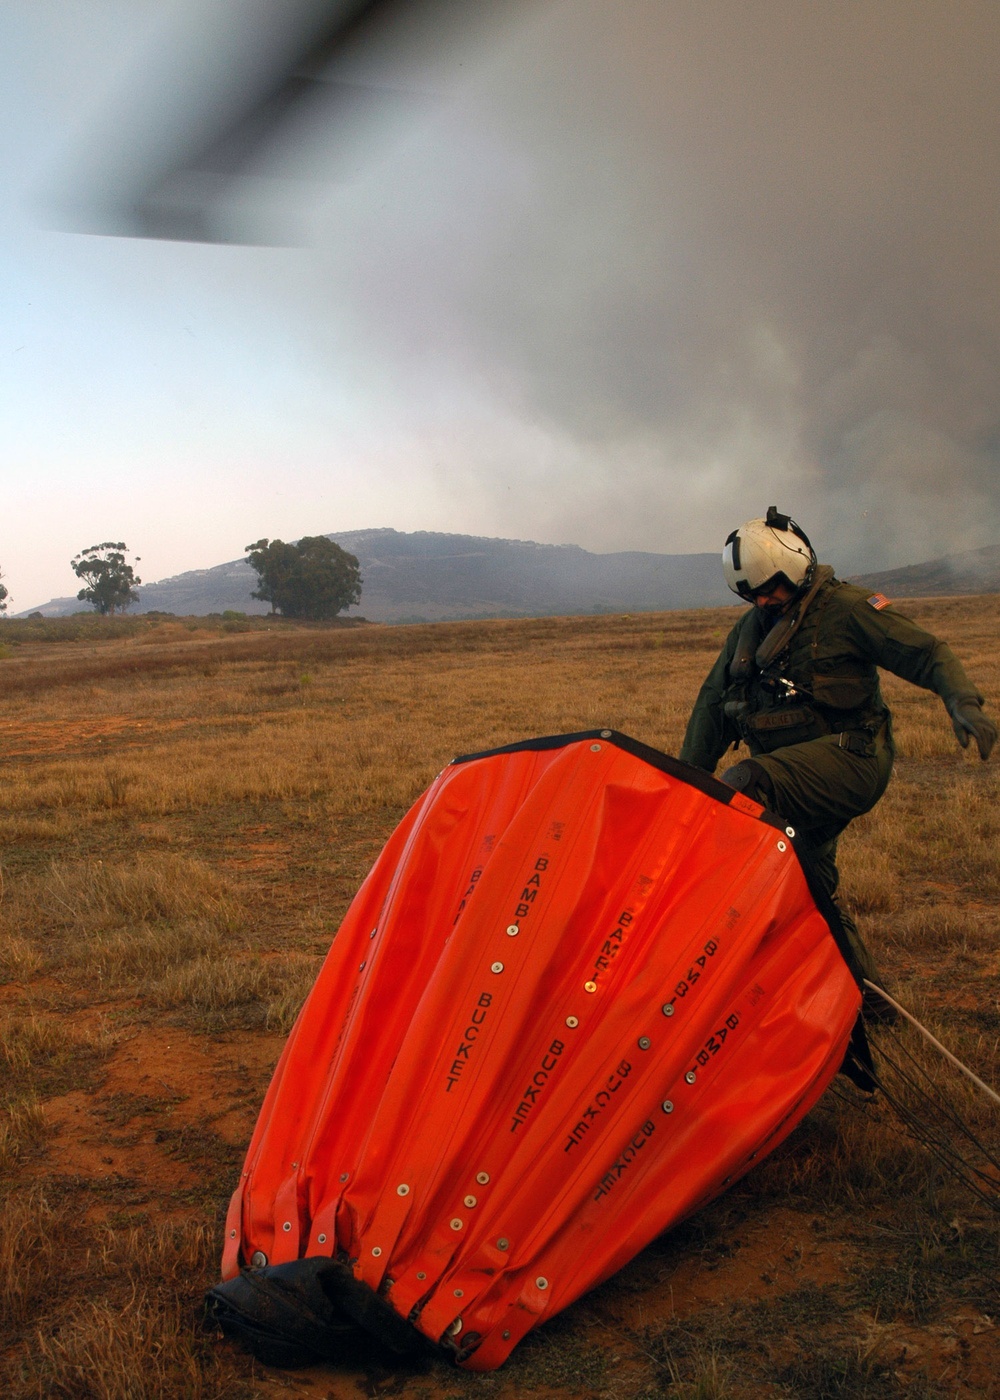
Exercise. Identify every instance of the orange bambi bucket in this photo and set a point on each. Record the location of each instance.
(583, 989)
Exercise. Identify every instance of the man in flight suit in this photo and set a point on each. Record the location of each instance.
(797, 682)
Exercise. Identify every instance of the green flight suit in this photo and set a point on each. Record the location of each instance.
(813, 716)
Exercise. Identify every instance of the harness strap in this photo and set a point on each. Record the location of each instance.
(747, 642)
(854, 742)
(785, 629)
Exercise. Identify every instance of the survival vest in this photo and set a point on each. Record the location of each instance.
(799, 680)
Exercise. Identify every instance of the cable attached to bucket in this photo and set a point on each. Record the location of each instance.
(874, 987)
(911, 1101)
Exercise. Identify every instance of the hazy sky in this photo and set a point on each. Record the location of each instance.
(652, 266)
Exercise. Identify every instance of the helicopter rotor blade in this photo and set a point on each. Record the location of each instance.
(269, 90)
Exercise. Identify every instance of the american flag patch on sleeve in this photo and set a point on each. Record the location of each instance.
(878, 601)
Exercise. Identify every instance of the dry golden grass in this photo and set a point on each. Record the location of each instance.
(140, 1343)
(96, 1350)
(20, 960)
(22, 1127)
(118, 923)
(29, 1255)
(41, 1055)
(226, 994)
(186, 816)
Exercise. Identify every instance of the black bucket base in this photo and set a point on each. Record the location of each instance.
(311, 1310)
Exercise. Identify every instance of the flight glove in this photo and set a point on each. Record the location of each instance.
(967, 718)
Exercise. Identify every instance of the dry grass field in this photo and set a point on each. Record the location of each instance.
(186, 813)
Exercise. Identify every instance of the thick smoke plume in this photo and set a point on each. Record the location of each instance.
(707, 257)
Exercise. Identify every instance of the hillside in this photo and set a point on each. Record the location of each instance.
(972, 571)
(430, 577)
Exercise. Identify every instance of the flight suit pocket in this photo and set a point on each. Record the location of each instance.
(843, 692)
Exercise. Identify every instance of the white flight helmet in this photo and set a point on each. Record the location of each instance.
(765, 552)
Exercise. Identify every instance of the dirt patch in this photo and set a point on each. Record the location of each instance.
(127, 1168)
(257, 854)
(785, 1251)
(171, 1119)
(31, 739)
(200, 1076)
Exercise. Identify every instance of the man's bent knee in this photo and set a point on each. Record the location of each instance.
(753, 781)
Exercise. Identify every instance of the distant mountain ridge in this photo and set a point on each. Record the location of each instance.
(426, 576)
(971, 571)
